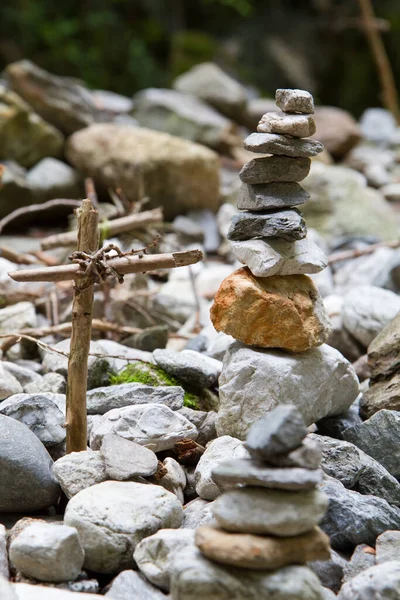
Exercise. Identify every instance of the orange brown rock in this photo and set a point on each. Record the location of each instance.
(283, 312)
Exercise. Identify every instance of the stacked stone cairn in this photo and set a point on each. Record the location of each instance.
(268, 514)
(271, 303)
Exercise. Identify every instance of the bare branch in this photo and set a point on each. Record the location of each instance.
(36, 208)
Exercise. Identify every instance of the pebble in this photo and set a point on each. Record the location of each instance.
(293, 101)
(130, 585)
(22, 374)
(246, 472)
(204, 421)
(271, 143)
(298, 126)
(124, 459)
(383, 355)
(79, 470)
(154, 554)
(266, 169)
(114, 516)
(48, 552)
(307, 456)
(217, 452)
(27, 481)
(175, 478)
(279, 432)
(53, 383)
(380, 581)
(249, 551)
(9, 385)
(101, 400)
(277, 257)
(281, 312)
(391, 191)
(387, 546)
(286, 224)
(382, 395)
(268, 196)
(262, 511)
(362, 558)
(197, 512)
(330, 571)
(189, 366)
(248, 372)
(152, 425)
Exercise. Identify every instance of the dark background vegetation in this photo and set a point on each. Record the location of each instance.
(127, 45)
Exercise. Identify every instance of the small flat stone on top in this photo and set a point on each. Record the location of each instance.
(272, 143)
(278, 432)
(286, 224)
(265, 169)
(306, 456)
(299, 126)
(124, 459)
(294, 101)
(266, 196)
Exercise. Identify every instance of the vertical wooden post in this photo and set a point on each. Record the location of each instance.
(82, 307)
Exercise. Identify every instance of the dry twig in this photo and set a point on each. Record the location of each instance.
(36, 208)
(348, 254)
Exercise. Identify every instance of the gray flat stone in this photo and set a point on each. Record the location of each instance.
(388, 546)
(277, 257)
(279, 432)
(198, 512)
(266, 196)
(189, 366)
(362, 558)
(266, 169)
(130, 585)
(79, 470)
(125, 459)
(271, 143)
(286, 224)
(294, 100)
(247, 472)
(380, 581)
(299, 126)
(262, 511)
(101, 400)
(306, 456)
(330, 572)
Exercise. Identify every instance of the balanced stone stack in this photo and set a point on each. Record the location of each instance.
(271, 303)
(267, 517)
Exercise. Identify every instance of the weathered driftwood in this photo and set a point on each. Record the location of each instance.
(124, 265)
(110, 228)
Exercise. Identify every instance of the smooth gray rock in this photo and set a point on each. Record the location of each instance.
(327, 594)
(101, 400)
(38, 413)
(50, 178)
(198, 512)
(387, 546)
(175, 478)
(189, 366)
(27, 482)
(330, 572)
(335, 426)
(294, 101)
(286, 224)
(26, 591)
(353, 518)
(377, 125)
(367, 309)
(320, 382)
(357, 470)
(79, 470)
(22, 374)
(381, 581)
(17, 316)
(247, 472)
(114, 516)
(218, 451)
(4, 568)
(48, 552)
(9, 385)
(267, 196)
(362, 558)
(203, 421)
(124, 459)
(194, 577)
(379, 437)
(266, 169)
(269, 512)
(271, 143)
(152, 425)
(130, 585)
(53, 383)
(306, 456)
(154, 555)
(277, 257)
(279, 432)
(298, 126)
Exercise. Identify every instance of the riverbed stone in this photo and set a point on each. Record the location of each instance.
(362, 558)
(277, 257)
(281, 312)
(48, 552)
(124, 459)
(387, 546)
(298, 126)
(9, 385)
(114, 516)
(51, 178)
(4, 566)
(102, 399)
(248, 372)
(382, 395)
(266, 169)
(189, 366)
(131, 585)
(79, 470)
(307, 456)
(268, 196)
(294, 100)
(249, 551)
(271, 143)
(286, 224)
(380, 581)
(383, 352)
(271, 512)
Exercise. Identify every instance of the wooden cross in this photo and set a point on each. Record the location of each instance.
(92, 265)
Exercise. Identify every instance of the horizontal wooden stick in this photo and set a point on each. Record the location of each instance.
(17, 257)
(110, 228)
(348, 254)
(125, 265)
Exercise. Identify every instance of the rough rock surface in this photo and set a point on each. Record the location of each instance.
(79, 470)
(383, 352)
(298, 126)
(247, 373)
(336, 129)
(4, 567)
(281, 312)
(270, 143)
(380, 581)
(198, 512)
(9, 385)
(286, 224)
(307, 456)
(124, 459)
(266, 169)
(130, 585)
(189, 366)
(101, 400)
(113, 517)
(294, 101)
(387, 546)
(268, 196)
